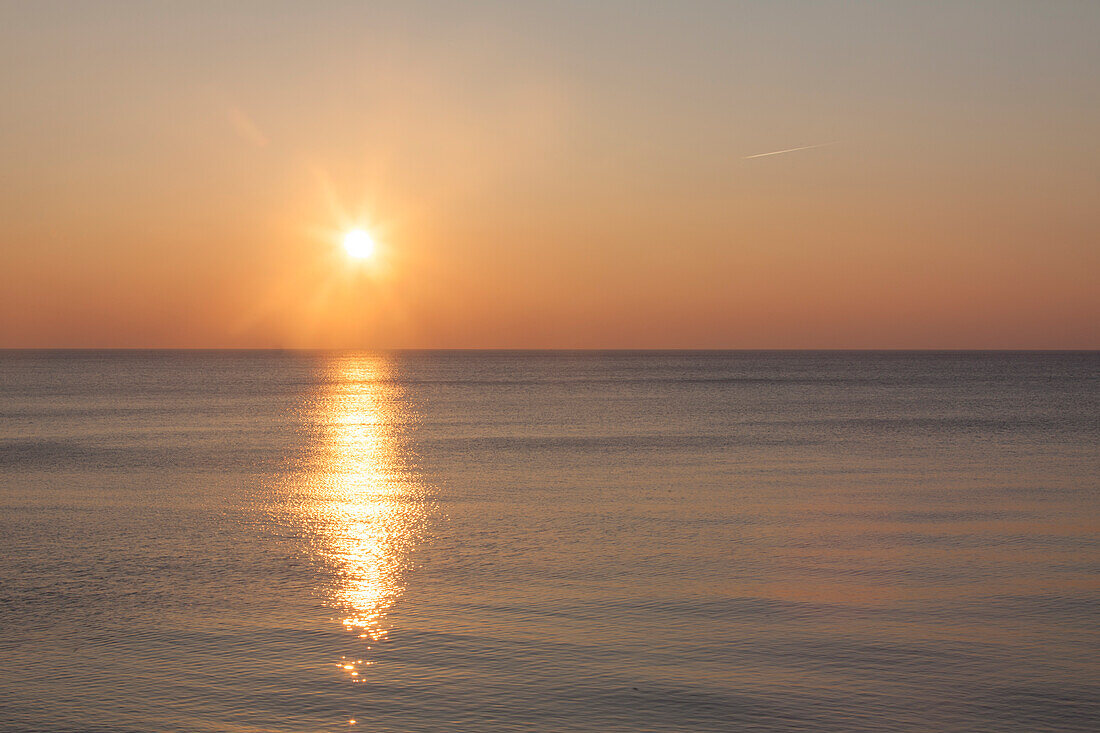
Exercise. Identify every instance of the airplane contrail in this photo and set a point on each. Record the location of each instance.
(789, 150)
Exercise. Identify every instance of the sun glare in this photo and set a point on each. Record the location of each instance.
(358, 244)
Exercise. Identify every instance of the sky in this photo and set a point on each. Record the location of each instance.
(550, 174)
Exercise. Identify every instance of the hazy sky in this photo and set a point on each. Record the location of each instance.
(551, 174)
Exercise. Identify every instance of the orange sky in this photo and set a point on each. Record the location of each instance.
(550, 175)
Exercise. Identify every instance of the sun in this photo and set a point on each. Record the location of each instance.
(358, 244)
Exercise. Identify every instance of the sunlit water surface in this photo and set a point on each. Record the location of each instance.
(198, 541)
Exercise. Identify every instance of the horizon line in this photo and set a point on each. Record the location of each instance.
(499, 349)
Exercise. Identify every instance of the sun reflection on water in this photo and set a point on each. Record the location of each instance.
(367, 507)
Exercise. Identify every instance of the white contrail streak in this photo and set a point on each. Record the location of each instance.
(789, 150)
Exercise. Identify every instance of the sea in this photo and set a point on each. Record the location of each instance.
(293, 541)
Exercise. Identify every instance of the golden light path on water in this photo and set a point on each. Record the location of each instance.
(367, 508)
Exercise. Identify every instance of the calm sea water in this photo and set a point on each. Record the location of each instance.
(212, 541)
